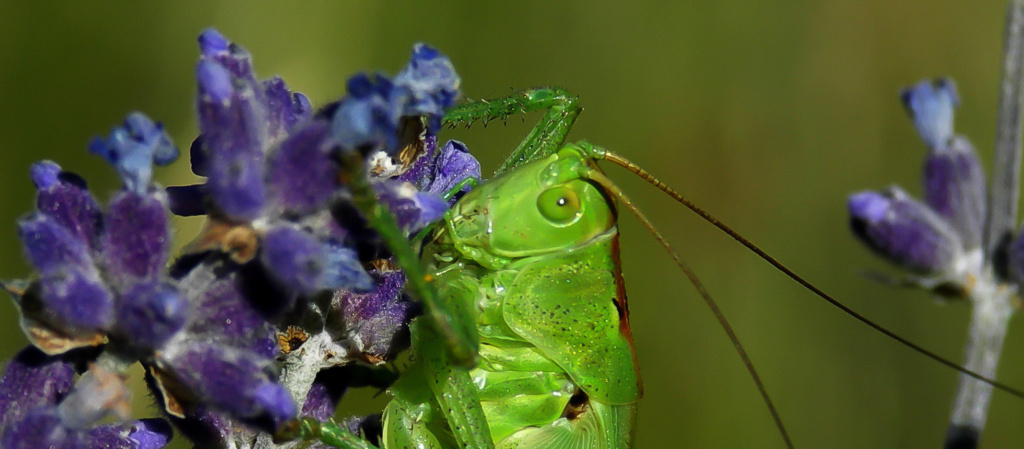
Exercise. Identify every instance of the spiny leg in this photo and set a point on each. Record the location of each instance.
(329, 433)
(544, 139)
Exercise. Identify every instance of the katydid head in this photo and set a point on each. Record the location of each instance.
(556, 206)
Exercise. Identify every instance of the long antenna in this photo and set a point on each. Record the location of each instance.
(596, 176)
(624, 163)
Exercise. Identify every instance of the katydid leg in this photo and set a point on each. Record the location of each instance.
(547, 137)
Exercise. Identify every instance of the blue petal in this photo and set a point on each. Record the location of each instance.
(343, 270)
(428, 85)
(930, 104)
(133, 148)
(211, 42)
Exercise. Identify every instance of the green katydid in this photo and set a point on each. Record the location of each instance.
(525, 341)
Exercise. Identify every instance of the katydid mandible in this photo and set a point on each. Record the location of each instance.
(525, 340)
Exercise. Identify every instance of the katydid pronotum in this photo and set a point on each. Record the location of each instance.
(525, 341)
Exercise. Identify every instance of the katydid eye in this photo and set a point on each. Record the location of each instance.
(559, 204)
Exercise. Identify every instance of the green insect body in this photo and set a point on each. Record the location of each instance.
(525, 338)
(533, 256)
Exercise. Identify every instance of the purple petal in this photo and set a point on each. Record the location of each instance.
(214, 47)
(284, 108)
(133, 148)
(904, 231)
(76, 302)
(223, 309)
(302, 175)
(136, 239)
(372, 320)
(421, 172)
(233, 123)
(40, 429)
(64, 197)
(234, 381)
(33, 379)
(50, 247)
(930, 104)
(454, 165)
(413, 210)
(954, 187)
(149, 314)
(305, 265)
(152, 433)
(325, 393)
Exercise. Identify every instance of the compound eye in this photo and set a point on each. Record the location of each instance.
(560, 205)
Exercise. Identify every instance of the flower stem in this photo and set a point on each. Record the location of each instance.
(1006, 174)
(991, 311)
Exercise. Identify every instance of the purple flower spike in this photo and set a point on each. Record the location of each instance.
(930, 104)
(133, 149)
(302, 175)
(904, 231)
(150, 314)
(303, 264)
(31, 380)
(64, 197)
(955, 189)
(153, 433)
(136, 238)
(234, 134)
(76, 302)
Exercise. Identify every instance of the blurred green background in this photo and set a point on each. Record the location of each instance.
(767, 113)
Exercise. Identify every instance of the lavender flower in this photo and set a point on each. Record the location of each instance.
(939, 239)
(286, 274)
(941, 242)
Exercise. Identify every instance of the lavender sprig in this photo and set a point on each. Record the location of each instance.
(286, 283)
(959, 242)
